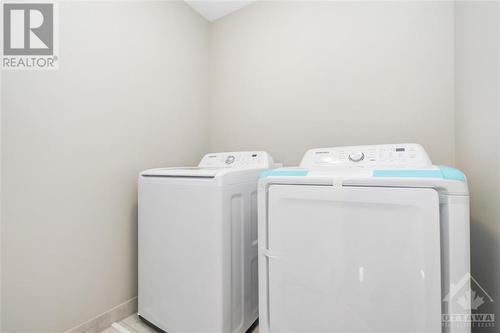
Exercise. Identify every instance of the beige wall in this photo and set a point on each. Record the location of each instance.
(131, 93)
(478, 136)
(288, 76)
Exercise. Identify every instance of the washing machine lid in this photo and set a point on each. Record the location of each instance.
(183, 172)
(214, 165)
(395, 165)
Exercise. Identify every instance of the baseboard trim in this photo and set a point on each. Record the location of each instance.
(106, 319)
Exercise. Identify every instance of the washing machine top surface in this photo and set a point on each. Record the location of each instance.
(183, 172)
(397, 165)
(214, 165)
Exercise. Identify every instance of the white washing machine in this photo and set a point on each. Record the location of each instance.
(363, 239)
(198, 244)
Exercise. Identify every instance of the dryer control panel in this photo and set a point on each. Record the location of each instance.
(391, 156)
(242, 159)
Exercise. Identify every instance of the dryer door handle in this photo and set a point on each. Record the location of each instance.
(268, 253)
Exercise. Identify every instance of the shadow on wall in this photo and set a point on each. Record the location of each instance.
(134, 212)
(485, 268)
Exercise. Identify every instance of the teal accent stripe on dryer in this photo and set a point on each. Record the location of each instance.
(283, 173)
(451, 173)
(408, 173)
(443, 172)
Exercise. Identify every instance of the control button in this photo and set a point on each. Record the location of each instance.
(356, 157)
(325, 159)
(372, 155)
(230, 159)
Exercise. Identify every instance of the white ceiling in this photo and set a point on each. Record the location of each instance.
(215, 9)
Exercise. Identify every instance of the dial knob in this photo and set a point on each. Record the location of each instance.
(357, 156)
(230, 159)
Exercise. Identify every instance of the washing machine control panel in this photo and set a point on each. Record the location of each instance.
(394, 156)
(246, 159)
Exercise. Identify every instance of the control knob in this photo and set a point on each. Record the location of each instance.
(357, 156)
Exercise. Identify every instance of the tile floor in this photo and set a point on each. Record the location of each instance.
(135, 325)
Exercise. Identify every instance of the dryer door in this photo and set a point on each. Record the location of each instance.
(353, 259)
